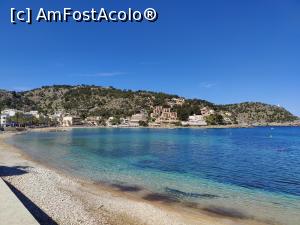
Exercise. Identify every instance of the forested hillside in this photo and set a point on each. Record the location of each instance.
(108, 101)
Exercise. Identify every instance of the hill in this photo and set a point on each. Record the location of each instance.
(86, 101)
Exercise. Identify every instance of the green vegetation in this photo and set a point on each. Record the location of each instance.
(115, 121)
(105, 102)
(177, 124)
(23, 120)
(214, 119)
(256, 112)
(143, 123)
(191, 107)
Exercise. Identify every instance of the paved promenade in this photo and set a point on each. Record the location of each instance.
(12, 211)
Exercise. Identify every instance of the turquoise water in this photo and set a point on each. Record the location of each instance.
(253, 173)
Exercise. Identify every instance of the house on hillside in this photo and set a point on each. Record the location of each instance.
(34, 114)
(57, 117)
(176, 101)
(10, 112)
(205, 111)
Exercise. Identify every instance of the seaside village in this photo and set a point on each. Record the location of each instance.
(159, 117)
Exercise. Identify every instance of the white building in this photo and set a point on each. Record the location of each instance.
(34, 114)
(227, 117)
(10, 112)
(57, 116)
(195, 120)
(3, 120)
(69, 121)
(93, 120)
(206, 111)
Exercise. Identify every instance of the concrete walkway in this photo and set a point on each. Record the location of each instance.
(12, 211)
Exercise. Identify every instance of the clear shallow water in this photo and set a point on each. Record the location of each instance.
(250, 172)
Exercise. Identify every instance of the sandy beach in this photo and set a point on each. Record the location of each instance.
(56, 198)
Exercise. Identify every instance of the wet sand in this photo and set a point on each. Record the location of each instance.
(54, 197)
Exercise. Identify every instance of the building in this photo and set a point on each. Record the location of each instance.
(57, 117)
(167, 116)
(136, 118)
(34, 114)
(3, 120)
(125, 122)
(227, 120)
(205, 111)
(10, 112)
(69, 121)
(164, 115)
(156, 112)
(177, 101)
(93, 120)
(195, 120)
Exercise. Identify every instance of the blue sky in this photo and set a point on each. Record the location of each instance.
(222, 51)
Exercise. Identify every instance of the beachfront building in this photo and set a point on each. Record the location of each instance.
(93, 120)
(195, 120)
(136, 118)
(167, 116)
(163, 115)
(57, 117)
(69, 121)
(3, 120)
(156, 112)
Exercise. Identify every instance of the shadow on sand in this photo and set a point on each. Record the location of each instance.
(12, 171)
(37, 213)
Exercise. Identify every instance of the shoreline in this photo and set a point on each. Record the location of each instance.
(60, 129)
(96, 203)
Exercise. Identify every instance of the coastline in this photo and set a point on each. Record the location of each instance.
(60, 129)
(69, 200)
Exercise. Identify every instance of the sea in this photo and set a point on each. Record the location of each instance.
(247, 173)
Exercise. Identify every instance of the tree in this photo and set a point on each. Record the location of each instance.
(115, 121)
(214, 119)
(183, 113)
(143, 123)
